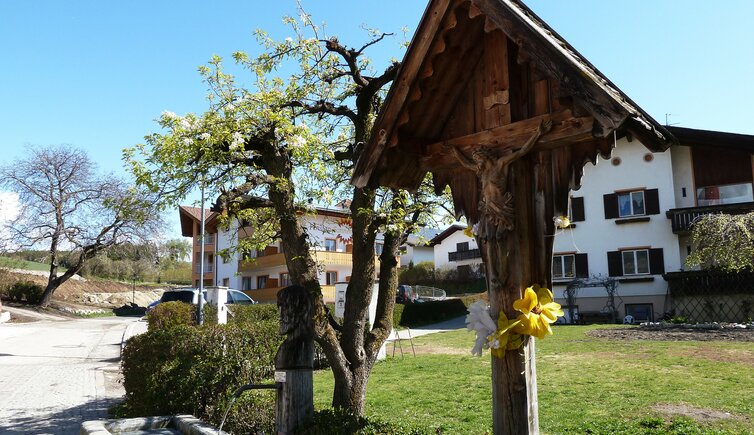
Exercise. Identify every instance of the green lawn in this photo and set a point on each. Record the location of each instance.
(586, 385)
(14, 263)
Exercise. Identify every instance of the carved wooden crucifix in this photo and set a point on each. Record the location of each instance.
(496, 204)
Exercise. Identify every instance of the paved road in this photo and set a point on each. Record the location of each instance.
(56, 374)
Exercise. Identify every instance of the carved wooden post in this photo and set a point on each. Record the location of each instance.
(294, 360)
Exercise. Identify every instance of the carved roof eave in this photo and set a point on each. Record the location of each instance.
(610, 107)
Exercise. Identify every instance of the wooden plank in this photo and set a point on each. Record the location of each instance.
(415, 56)
(497, 94)
(565, 130)
(603, 107)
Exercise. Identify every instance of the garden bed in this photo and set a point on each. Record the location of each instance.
(674, 333)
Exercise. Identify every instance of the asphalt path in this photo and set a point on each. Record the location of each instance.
(54, 374)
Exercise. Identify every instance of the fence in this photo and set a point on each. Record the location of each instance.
(710, 296)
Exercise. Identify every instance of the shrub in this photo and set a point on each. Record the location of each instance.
(243, 314)
(169, 315)
(418, 314)
(339, 422)
(185, 369)
(25, 291)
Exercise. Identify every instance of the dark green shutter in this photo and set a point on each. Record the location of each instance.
(652, 201)
(614, 263)
(611, 205)
(582, 266)
(656, 261)
(577, 209)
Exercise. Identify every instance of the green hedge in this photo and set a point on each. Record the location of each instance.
(168, 315)
(187, 369)
(432, 312)
(425, 313)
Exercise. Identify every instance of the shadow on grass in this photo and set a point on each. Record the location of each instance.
(55, 421)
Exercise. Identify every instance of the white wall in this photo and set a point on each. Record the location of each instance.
(449, 244)
(597, 235)
(225, 240)
(683, 176)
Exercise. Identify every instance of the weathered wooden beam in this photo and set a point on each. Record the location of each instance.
(420, 45)
(565, 130)
(606, 110)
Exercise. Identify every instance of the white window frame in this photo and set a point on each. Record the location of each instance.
(334, 245)
(563, 274)
(634, 254)
(631, 201)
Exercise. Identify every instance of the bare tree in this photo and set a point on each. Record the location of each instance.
(65, 205)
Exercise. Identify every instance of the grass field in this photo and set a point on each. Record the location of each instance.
(14, 263)
(586, 385)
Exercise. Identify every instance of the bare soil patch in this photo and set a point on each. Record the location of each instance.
(699, 414)
(635, 333)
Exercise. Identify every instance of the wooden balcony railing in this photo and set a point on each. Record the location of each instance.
(261, 262)
(683, 218)
(323, 257)
(464, 255)
(269, 295)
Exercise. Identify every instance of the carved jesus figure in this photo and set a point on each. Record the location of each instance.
(496, 205)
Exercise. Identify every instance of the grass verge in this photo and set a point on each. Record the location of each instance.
(586, 385)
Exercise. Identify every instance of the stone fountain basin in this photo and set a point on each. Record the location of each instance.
(164, 425)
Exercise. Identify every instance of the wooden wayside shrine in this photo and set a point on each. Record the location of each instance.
(495, 104)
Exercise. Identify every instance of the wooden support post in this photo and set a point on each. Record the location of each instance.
(294, 360)
(295, 400)
(515, 260)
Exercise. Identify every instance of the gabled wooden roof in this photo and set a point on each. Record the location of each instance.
(497, 55)
(188, 215)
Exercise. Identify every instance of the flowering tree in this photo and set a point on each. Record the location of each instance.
(269, 151)
(65, 205)
(723, 241)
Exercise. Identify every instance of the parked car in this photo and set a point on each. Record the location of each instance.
(190, 295)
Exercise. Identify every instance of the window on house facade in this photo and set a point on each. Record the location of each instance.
(463, 246)
(285, 279)
(246, 283)
(566, 266)
(262, 281)
(378, 248)
(331, 245)
(331, 277)
(631, 204)
(639, 202)
(640, 312)
(563, 266)
(226, 282)
(637, 261)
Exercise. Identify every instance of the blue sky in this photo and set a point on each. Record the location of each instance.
(96, 74)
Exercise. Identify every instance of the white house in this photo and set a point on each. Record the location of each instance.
(631, 221)
(264, 272)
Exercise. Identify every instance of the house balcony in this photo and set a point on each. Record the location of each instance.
(208, 268)
(464, 255)
(326, 258)
(269, 295)
(682, 218)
